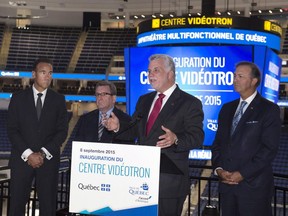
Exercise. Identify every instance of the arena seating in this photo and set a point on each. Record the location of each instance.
(101, 46)
(57, 43)
(2, 27)
(285, 42)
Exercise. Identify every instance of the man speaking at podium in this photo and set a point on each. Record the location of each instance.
(171, 119)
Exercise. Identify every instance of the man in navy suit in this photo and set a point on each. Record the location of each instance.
(243, 159)
(36, 139)
(89, 123)
(177, 129)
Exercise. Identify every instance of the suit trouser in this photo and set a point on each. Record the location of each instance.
(46, 178)
(251, 204)
(171, 206)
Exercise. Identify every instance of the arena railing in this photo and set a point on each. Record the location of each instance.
(204, 196)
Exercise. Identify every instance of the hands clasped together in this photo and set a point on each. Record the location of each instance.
(35, 160)
(229, 177)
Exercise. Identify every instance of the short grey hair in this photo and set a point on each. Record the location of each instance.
(167, 59)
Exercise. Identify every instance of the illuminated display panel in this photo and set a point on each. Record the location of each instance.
(203, 71)
(216, 30)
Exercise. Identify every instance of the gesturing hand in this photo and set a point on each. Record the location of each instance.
(112, 123)
(167, 139)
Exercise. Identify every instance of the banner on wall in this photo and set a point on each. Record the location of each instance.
(114, 179)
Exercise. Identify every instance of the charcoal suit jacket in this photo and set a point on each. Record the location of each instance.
(183, 115)
(88, 128)
(26, 131)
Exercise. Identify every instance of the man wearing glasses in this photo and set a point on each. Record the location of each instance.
(91, 125)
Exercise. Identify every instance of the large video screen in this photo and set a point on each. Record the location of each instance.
(271, 76)
(203, 71)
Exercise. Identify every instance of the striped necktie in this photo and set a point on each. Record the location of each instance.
(238, 116)
(101, 125)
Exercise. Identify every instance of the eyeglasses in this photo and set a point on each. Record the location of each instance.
(102, 94)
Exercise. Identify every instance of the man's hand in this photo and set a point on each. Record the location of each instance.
(236, 177)
(112, 123)
(35, 160)
(229, 177)
(167, 139)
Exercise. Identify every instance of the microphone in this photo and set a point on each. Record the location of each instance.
(130, 125)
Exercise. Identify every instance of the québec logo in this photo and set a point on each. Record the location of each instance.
(91, 187)
(142, 193)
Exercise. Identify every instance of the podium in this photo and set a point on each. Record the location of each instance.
(114, 179)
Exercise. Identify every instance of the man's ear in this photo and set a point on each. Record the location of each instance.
(254, 81)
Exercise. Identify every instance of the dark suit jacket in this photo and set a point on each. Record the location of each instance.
(252, 147)
(26, 131)
(183, 115)
(88, 128)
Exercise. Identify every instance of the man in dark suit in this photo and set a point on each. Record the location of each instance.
(36, 137)
(89, 123)
(177, 129)
(243, 159)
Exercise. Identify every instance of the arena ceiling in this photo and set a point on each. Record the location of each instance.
(140, 6)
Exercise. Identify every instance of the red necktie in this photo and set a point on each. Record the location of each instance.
(155, 111)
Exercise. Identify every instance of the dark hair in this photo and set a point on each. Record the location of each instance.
(112, 87)
(255, 71)
(41, 60)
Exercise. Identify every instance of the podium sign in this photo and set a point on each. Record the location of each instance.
(114, 179)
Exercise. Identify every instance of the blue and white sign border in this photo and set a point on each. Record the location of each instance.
(114, 179)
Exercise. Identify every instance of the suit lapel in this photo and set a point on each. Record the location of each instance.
(251, 109)
(31, 102)
(166, 111)
(48, 100)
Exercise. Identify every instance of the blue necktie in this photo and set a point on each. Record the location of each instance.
(237, 116)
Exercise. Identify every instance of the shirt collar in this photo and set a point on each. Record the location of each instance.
(250, 98)
(169, 91)
(108, 112)
(35, 92)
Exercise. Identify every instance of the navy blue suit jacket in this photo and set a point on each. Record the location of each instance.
(252, 147)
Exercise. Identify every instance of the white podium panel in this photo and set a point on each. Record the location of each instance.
(114, 179)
